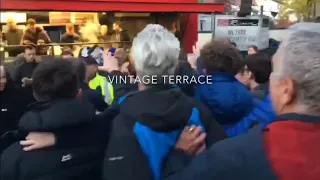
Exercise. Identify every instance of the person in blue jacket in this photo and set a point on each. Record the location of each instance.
(287, 148)
(255, 75)
(151, 119)
(228, 99)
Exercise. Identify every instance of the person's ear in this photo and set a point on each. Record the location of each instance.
(289, 91)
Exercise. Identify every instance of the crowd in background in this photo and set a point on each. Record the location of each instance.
(89, 32)
(258, 118)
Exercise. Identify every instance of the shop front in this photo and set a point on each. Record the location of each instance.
(183, 12)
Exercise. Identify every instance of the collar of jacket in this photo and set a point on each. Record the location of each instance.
(298, 117)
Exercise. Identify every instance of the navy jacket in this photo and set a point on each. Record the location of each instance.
(185, 69)
(265, 153)
(227, 98)
(238, 158)
(147, 127)
(80, 159)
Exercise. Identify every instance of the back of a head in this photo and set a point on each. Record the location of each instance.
(54, 79)
(260, 66)
(79, 68)
(155, 51)
(299, 58)
(220, 56)
(254, 48)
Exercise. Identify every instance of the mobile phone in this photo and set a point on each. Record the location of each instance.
(112, 51)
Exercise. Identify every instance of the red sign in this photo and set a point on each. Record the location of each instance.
(143, 1)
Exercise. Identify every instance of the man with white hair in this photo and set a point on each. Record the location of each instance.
(286, 149)
(151, 119)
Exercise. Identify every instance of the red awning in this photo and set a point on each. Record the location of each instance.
(111, 5)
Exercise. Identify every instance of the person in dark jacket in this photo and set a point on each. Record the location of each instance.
(116, 67)
(55, 86)
(151, 119)
(22, 74)
(10, 108)
(13, 37)
(35, 35)
(69, 36)
(120, 35)
(125, 70)
(270, 152)
(186, 68)
(86, 93)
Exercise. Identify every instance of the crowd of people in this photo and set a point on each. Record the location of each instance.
(257, 118)
(88, 32)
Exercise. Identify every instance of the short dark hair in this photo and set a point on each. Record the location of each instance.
(79, 68)
(89, 61)
(220, 56)
(260, 66)
(31, 21)
(55, 78)
(255, 48)
(30, 46)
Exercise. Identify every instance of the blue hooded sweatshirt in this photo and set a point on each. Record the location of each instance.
(227, 98)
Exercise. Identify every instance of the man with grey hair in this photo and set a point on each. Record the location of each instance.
(151, 119)
(286, 149)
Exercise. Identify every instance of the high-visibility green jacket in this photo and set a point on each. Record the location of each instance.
(106, 87)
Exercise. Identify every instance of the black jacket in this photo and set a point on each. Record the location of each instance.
(66, 38)
(11, 109)
(21, 71)
(94, 97)
(238, 158)
(184, 69)
(120, 89)
(11, 106)
(80, 159)
(162, 109)
(38, 37)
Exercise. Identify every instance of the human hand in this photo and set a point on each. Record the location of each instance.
(26, 81)
(38, 140)
(197, 47)
(110, 63)
(191, 140)
(192, 60)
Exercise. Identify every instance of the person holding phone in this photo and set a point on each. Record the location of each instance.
(22, 74)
